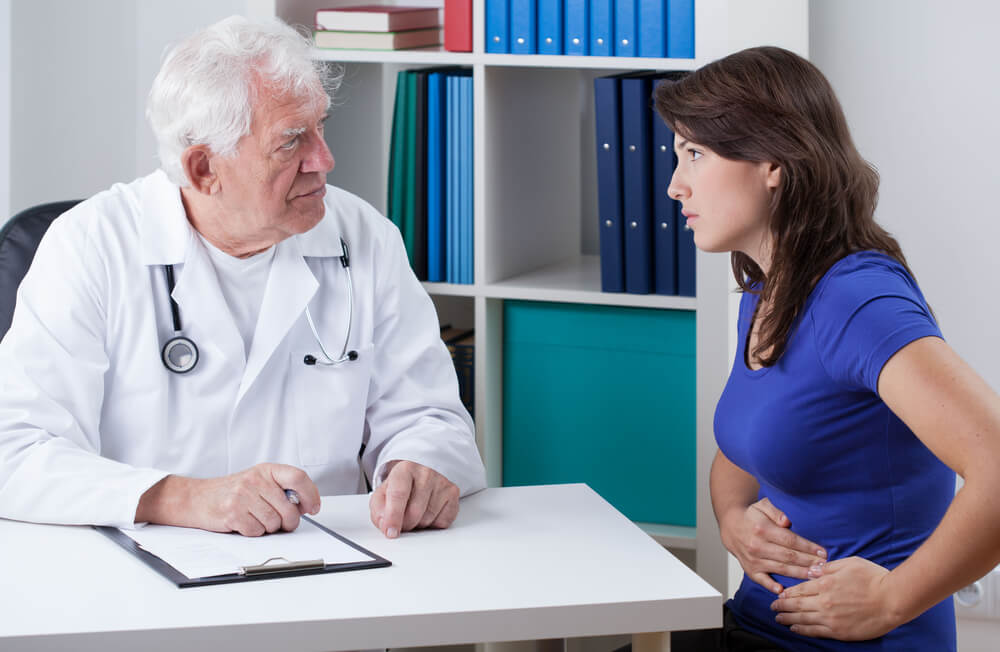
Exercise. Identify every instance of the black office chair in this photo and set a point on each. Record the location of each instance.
(19, 239)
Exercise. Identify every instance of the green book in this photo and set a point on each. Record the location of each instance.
(397, 155)
(410, 165)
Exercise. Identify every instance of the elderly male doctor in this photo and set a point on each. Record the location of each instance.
(187, 347)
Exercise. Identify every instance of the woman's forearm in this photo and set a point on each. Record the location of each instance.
(732, 489)
(956, 414)
(963, 548)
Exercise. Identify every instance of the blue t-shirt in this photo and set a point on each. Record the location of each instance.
(828, 452)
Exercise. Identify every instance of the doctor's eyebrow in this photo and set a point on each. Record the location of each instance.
(292, 132)
(679, 147)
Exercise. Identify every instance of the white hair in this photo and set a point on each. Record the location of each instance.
(205, 89)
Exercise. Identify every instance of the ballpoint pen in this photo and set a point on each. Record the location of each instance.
(293, 497)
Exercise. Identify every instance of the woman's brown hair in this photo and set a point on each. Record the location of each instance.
(767, 104)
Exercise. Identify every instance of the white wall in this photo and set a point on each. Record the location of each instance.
(72, 82)
(918, 81)
(919, 84)
(80, 72)
(159, 25)
(5, 35)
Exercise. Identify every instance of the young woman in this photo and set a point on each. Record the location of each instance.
(846, 414)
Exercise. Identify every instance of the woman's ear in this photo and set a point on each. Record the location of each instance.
(196, 162)
(773, 179)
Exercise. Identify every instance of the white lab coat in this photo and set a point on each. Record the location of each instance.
(90, 418)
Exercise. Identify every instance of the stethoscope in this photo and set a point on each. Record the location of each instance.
(180, 353)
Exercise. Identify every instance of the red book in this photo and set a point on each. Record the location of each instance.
(458, 25)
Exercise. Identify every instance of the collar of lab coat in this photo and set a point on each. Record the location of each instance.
(168, 238)
(166, 233)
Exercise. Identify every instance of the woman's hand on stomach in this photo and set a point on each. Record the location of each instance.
(762, 540)
(848, 601)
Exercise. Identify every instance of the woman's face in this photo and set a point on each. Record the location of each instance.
(726, 202)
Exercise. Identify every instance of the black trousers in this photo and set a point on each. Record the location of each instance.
(730, 638)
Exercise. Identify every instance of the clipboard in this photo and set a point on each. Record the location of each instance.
(273, 568)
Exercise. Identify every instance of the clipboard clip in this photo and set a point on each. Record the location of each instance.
(286, 567)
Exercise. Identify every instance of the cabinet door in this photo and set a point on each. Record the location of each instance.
(603, 395)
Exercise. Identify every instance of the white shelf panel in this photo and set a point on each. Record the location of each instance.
(592, 63)
(671, 536)
(577, 280)
(441, 57)
(425, 56)
(452, 289)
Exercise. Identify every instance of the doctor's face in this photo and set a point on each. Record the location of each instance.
(274, 185)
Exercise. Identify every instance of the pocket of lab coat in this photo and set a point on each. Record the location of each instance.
(330, 404)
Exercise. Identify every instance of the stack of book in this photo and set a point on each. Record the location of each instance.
(646, 247)
(377, 27)
(430, 171)
(461, 343)
(620, 28)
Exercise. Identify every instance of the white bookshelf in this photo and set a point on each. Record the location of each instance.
(535, 219)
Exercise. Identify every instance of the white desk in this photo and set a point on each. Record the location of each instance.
(518, 563)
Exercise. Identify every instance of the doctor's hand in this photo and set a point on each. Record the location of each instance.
(761, 539)
(251, 502)
(413, 496)
(849, 601)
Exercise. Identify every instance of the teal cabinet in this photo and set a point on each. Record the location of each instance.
(603, 395)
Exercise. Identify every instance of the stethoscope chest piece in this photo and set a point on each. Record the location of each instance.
(180, 354)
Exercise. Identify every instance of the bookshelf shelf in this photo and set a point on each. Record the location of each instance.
(441, 57)
(452, 289)
(535, 198)
(586, 63)
(571, 281)
(577, 280)
(672, 536)
(418, 57)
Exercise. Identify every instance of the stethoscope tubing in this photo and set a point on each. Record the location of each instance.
(327, 360)
(175, 310)
(345, 355)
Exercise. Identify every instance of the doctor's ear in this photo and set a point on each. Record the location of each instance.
(197, 164)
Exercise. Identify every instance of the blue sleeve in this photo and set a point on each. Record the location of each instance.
(863, 316)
